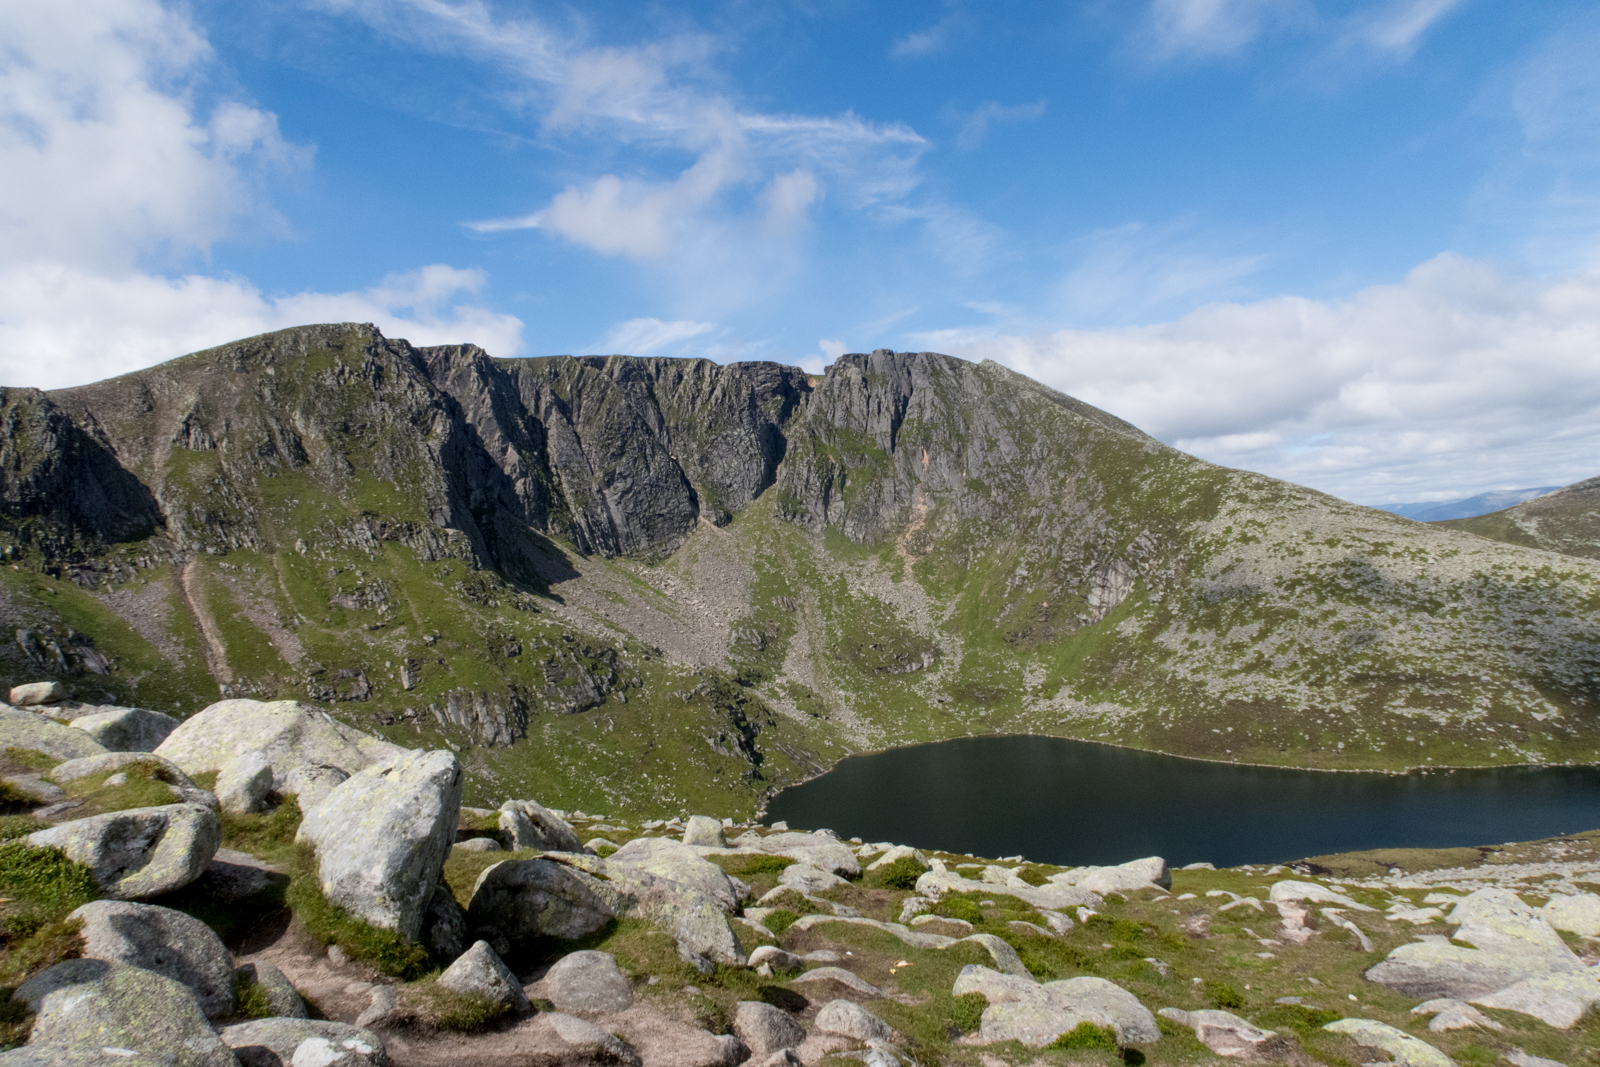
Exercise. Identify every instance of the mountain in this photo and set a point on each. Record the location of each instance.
(653, 584)
(1466, 507)
(1566, 521)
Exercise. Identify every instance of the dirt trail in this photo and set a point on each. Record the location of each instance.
(216, 659)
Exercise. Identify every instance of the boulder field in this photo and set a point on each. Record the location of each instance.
(265, 886)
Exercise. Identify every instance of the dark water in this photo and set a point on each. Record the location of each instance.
(1074, 802)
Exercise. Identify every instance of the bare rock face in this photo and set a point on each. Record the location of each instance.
(162, 940)
(288, 733)
(140, 852)
(85, 1005)
(382, 837)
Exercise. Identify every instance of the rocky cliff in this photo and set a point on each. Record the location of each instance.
(624, 582)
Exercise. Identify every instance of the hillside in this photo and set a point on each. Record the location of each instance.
(1566, 521)
(650, 585)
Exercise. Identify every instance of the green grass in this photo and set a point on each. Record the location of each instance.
(1087, 1035)
(41, 885)
(329, 924)
(901, 874)
(432, 1006)
(780, 920)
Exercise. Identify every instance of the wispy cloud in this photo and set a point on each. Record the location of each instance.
(647, 337)
(935, 38)
(974, 125)
(1216, 27)
(1398, 25)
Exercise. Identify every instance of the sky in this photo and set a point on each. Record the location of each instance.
(1350, 243)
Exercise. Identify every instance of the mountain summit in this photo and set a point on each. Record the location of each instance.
(616, 581)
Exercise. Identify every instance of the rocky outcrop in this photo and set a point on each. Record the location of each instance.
(382, 836)
(539, 898)
(141, 852)
(289, 734)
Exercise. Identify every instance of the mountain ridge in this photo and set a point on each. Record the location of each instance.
(747, 571)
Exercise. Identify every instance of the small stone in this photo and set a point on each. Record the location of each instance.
(283, 1000)
(384, 1004)
(588, 981)
(244, 783)
(776, 958)
(337, 956)
(765, 1029)
(303, 1043)
(480, 970)
(480, 844)
(23, 696)
(539, 828)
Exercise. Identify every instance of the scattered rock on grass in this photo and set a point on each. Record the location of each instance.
(140, 852)
(1449, 1014)
(87, 1005)
(702, 831)
(1579, 913)
(480, 970)
(677, 862)
(588, 981)
(776, 957)
(1228, 1035)
(164, 941)
(480, 844)
(382, 837)
(765, 1029)
(1407, 1051)
(162, 770)
(852, 1020)
(1022, 1010)
(543, 829)
(1122, 878)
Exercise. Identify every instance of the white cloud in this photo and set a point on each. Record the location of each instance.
(63, 326)
(645, 337)
(1135, 271)
(830, 353)
(1457, 379)
(935, 38)
(788, 199)
(1397, 26)
(109, 161)
(1216, 27)
(975, 126)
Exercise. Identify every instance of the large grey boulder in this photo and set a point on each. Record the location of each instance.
(244, 783)
(304, 1043)
(1122, 878)
(677, 862)
(86, 1005)
(26, 730)
(539, 828)
(1022, 1010)
(850, 1019)
(480, 970)
(126, 729)
(1510, 944)
(140, 852)
(162, 770)
(287, 732)
(283, 1000)
(588, 981)
(702, 831)
(162, 940)
(310, 784)
(31, 693)
(764, 1028)
(381, 838)
(818, 850)
(540, 898)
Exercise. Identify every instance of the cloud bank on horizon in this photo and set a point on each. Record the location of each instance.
(1352, 243)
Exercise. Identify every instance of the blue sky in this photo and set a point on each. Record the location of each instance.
(1348, 243)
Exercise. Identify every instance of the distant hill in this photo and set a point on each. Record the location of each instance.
(1468, 507)
(660, 585)
(1565, 521)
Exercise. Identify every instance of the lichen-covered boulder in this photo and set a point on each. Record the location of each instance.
(126, 729)
(26, 730)
(677, 862)
(538, 827)
(88, 1005)
(281, 997)
(765, 1028)
(480, 970)
(287, 732)
(162, 940)
(1022, 1010)
(818, 850)
(304, 1043)
(162, 770)
(850, 1019)
(381, 838)
(244, 783)
(140, 852)
(588, 981)
(1407, 1051)
(310, 784)
(540, 898)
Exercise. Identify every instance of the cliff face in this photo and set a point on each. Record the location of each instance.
(749, 571)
